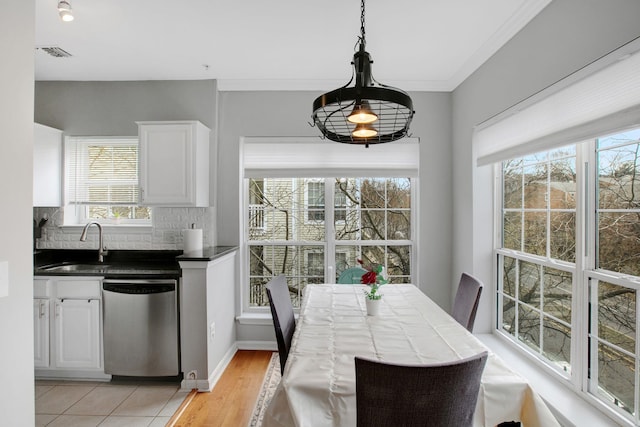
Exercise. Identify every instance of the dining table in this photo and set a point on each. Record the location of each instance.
(318, 386)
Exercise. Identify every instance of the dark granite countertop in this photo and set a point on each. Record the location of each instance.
(119, 264)
(207, 254)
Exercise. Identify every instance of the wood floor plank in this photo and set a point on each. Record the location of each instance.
(231, 401)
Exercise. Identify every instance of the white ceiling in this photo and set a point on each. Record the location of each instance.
(422, 45)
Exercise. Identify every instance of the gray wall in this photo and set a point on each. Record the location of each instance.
(112, 108)
(564, 37)
(16, 160)
(288, 114)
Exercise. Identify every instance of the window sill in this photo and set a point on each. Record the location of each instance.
(119, 227)
(567, 406)
(256, 319)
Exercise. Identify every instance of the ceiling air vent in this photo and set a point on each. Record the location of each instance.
(55, 51)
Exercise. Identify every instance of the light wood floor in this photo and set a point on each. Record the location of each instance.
(231, 401)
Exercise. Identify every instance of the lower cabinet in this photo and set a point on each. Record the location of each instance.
(67, 327)
(77, 334)
(41, 332)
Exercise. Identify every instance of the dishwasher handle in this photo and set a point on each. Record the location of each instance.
(137, 287)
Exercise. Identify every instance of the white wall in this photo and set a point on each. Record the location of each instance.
(16, 159)
(564, 37)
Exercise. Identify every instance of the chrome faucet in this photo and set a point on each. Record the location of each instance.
(102, 249)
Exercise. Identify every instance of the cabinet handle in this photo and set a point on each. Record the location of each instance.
(57, 309)
(42, 310)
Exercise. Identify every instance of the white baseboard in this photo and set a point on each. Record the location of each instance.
(76, 375)
(208, 384)
(257, 345)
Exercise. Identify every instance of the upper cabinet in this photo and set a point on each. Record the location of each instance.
(174, 163)
(47, 166)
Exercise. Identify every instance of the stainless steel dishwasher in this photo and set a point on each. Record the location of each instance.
(141, 327)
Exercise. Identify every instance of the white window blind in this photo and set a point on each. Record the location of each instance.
(303, 157)
(604, 101)
(101, 171)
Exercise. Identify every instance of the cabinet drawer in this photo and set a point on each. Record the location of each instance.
(41, 288)
(78, 289)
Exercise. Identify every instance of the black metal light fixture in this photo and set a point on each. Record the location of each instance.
(367, 112)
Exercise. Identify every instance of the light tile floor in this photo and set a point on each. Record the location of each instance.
(106, 404)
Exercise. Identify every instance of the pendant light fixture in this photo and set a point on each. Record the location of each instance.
(367, 112)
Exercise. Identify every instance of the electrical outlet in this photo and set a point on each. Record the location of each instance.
(212, 329)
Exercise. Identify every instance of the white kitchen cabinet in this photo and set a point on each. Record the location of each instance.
(77, 334)
(68, 327)
(174, 163)
(41, 332)
(47, 166)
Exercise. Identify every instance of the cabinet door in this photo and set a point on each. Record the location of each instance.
(77, 334)
(47, 166)
(41, 332)
(174, 163)
(166, 156)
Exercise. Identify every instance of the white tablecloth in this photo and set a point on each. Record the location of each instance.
(318, 384)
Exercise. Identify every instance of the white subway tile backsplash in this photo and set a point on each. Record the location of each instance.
(165, 234)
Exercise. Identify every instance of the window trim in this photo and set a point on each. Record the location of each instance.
(242, 305)
(76, 214)
(586, 232)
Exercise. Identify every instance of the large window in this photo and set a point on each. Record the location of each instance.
(569, 263)
(291, 231)
(101, 181)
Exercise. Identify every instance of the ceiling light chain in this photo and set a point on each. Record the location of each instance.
(362, 36)
(367, 113)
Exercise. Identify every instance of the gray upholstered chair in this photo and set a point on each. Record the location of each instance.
(284, 321)
(465, 304)
(440, 395)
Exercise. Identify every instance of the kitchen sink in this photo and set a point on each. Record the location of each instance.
(73, 268)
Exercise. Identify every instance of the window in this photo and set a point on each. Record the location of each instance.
(570, 252)
(101, 181)
(315, 201)
(305, 240)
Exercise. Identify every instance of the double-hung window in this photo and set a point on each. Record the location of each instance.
(101, 181)
(300, 240)
(541, 273)
(567, 247)
(289, 228)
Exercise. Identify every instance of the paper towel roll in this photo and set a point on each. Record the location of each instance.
(192, 239)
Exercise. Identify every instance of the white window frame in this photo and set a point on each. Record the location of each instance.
(583, 378)
(78, 214)
(329, 242)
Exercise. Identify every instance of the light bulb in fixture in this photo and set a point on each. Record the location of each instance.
(362, 113)
(363, 130)
(64, 9)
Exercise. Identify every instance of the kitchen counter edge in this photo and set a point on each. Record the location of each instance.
(207, 254)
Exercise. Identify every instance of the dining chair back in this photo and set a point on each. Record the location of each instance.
(465, 304)
(438, 395)
(351, 275)
(284, 321)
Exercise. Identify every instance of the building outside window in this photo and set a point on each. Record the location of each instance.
(309, 242)
(568, 263)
